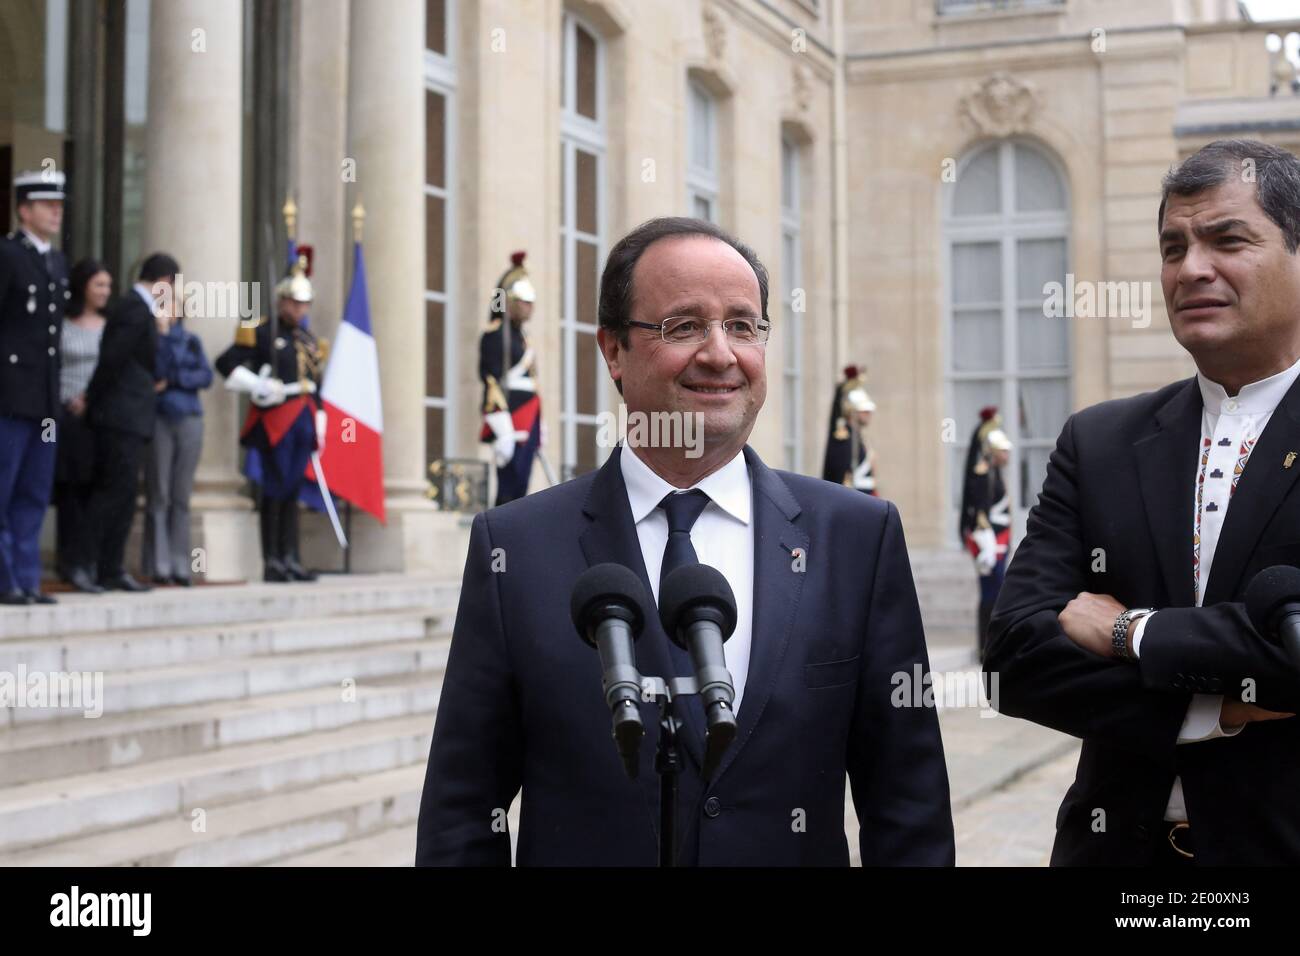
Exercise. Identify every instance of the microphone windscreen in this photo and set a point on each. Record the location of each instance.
(603, 584)
(1267, 592)
(692, 586)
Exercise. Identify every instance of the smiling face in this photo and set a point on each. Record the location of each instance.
(98, 289)
(1231, 286)
(705, 278)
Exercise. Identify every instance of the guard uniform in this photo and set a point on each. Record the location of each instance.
(283, 431)
(986, 515)
(850, 459)
(512, 409)
(33, 296)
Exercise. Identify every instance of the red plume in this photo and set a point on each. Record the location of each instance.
(309, 253)
(987, 412)
(850, 371)
(517, 258)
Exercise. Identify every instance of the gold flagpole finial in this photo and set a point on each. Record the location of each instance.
(358, 221)
(290, 210)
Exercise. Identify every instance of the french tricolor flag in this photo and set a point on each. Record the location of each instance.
(353, 460)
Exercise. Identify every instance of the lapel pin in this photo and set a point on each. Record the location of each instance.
(1289, 460)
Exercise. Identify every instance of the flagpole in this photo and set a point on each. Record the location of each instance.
(358, 227)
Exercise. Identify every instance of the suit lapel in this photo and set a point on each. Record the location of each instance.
(1167, 462)
(611, 536)
(777, 589)
(1263, 484)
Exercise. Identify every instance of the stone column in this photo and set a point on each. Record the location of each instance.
(192, 203)
(318, 143)
(385, 101)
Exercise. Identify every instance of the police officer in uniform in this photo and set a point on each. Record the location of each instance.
(986, 512)
(280, 365)
(850, 459)
(33, 296)
(512, 410)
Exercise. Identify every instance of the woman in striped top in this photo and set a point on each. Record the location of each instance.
(90, 285)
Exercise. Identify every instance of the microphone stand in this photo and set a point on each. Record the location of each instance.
(667, 758)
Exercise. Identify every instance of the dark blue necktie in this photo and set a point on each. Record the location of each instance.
(682, 509)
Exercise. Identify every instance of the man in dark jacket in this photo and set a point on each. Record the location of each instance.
(121, 403)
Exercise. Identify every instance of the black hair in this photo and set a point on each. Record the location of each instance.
(1276, 174)
(157, 266)
(78, 279)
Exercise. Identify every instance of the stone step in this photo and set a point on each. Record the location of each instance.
(47, 750)
(250, 832)
(392, 847)
(227, 604)
(240, 678)
(160, 647)
(55, 810)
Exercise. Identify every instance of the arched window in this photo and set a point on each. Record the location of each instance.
(1006, 232)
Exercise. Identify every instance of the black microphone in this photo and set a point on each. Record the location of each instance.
(1273, 603)
(608, 608)
(698, 612)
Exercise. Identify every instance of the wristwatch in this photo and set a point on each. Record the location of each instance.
(1119, 636)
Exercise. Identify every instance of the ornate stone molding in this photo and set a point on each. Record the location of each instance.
(715, 32)
(1001, 105)
(802, 83)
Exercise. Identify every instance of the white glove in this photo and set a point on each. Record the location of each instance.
(503, 448)
(321, 422)
(263, 389)
(988, 553)
(269, 391)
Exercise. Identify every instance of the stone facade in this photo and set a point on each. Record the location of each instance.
(880, 98)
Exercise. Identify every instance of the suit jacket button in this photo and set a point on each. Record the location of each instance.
(53, 307)
(712, 807)
(54, 329)
(51, 350)
(1141, 831)
(13, 360)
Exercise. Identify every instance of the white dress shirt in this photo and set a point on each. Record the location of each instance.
(142, 290)
(41, 245)
(1230, 426)
(723, 537)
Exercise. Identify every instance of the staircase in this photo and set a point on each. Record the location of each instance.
(242, 725)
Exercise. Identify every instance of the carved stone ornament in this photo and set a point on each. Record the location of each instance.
(715, 32)
(803, 86)
(1001, 105)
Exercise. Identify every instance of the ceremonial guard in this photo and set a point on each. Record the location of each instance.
(986, 512)
(279, 363)
(33, 297)
(850, 459)
(511, 407)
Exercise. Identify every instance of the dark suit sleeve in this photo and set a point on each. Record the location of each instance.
(895, 761)
(1042, 675)
(124, 336)
(1195, 643)
(476, 759)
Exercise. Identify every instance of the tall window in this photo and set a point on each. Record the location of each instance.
(439, 106)
(792, 320)
(582, 229)
(702, 154)
(1005, 235)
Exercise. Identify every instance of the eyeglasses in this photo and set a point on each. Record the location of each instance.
(688, 330)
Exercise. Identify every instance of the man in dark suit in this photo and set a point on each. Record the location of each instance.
(33, 295)
(827, 620)
(121, 403)
(1121, 620)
